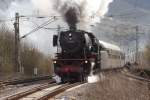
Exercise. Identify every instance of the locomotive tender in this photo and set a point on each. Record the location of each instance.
(80, 54)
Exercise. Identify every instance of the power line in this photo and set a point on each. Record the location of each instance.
(6, 20)
(26, 17)
(54, 28)
(37, 16)
(47, 28)
(40, 26)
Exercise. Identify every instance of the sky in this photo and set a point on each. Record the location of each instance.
(128, 12)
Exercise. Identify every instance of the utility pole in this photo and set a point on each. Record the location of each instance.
(137, 45)
(18, 67)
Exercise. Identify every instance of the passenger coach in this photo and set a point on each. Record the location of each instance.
(112, 56)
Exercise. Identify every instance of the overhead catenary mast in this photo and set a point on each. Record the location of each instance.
(137, 45)
(18, 66)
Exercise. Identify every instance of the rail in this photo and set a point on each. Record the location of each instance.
(43, 92)
(21, 81)
(17, 96)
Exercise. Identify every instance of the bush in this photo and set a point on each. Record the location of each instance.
(30, 57)
(6, 50)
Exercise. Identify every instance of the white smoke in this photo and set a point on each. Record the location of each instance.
(89, 11)
(45, 7)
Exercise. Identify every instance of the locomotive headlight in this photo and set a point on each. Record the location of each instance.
(55, 62)
(86, 61)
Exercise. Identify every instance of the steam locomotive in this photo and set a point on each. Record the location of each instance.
(80, 53)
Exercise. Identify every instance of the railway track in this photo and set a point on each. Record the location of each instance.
(44, 92)
(21, 81)
(136, 77)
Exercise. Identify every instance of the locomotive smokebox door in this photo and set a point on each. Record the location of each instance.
(72, 42)
(55, 38)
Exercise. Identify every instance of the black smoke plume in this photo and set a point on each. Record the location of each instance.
(71, 17)
(70, 11)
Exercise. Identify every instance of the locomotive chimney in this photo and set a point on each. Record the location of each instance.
(72, 27)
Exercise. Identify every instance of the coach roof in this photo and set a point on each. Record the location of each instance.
(109, 46)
